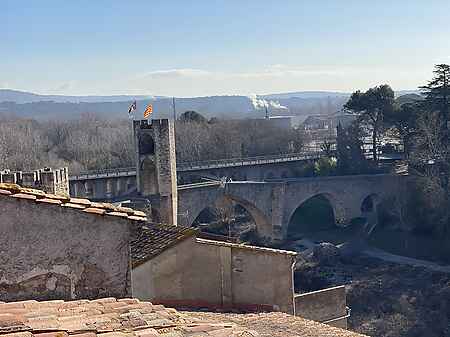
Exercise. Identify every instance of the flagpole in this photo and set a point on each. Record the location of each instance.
(174, 110)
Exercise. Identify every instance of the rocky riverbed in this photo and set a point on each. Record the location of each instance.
(386, 299)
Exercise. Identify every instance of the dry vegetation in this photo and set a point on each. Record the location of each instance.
(91, 143)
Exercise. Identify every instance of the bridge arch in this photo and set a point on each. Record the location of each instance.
(369, 203)
(262, 223)
(324, 206)
(148, 176)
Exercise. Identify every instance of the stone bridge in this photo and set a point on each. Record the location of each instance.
(272, 204)
(116, 184)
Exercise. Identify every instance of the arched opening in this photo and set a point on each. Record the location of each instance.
(146, 144)
(313, 215)
(226, 218)
(369, 213)
(369, 204)
(235, 218)
(148, 177)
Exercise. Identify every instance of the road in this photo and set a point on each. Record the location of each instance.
(388, 257)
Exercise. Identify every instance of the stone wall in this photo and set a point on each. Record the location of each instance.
(48, 252)
(325, 306)
(202, 273)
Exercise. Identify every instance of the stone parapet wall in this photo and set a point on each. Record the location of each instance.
(325, 306)
(54, 181)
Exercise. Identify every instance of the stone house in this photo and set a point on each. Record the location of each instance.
(174, 267)
(194, 272)
(59, 247)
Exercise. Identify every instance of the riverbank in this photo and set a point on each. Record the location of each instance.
(386, 299)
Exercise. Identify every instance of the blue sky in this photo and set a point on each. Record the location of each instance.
(195, 48)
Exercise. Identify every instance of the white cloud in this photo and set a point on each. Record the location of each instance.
(201, 82)
(65, 87)
(276, 70)
(189, 82)
(183, 72)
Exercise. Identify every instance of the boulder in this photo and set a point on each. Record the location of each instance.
(326, 253)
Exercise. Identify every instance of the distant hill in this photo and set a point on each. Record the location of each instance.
(306, 94)
(213, 106)
(408, 98)
(8, 95)
(14, 103)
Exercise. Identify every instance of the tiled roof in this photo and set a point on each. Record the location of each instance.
(275, 324)
(243, 246)
(84, 205)
(153, 239)
(105, 317)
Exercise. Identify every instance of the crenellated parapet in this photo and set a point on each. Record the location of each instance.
(55, 181)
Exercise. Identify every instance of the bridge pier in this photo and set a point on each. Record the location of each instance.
(277, 216)
(109, 189)
(88, 192)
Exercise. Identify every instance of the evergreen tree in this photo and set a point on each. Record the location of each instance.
(437, 93)
(350, 157)
(371, 107)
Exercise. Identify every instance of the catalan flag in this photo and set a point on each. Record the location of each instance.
(148, 111)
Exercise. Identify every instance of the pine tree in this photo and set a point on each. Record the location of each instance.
(371, 107)
(437, 92)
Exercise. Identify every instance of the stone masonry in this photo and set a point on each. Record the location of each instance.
(54, 181)
(156, 166)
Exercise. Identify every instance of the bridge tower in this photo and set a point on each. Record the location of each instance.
(156, 171)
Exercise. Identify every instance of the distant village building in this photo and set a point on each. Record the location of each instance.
(328, 122)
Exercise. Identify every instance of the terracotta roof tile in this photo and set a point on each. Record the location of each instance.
(80, 201)
(57, 197)
(14, 188)
(19, 334)
(72, 205)
(24, 196)
(50, 201)
(140, 213)
(110, 207)
(127, 210)
(56, 319)
(120, 214)
(94, 210)
(5, 192)
(137, 218)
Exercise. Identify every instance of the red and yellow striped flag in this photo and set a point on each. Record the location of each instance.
(148, 111)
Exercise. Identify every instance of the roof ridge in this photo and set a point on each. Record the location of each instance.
(245, 246)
